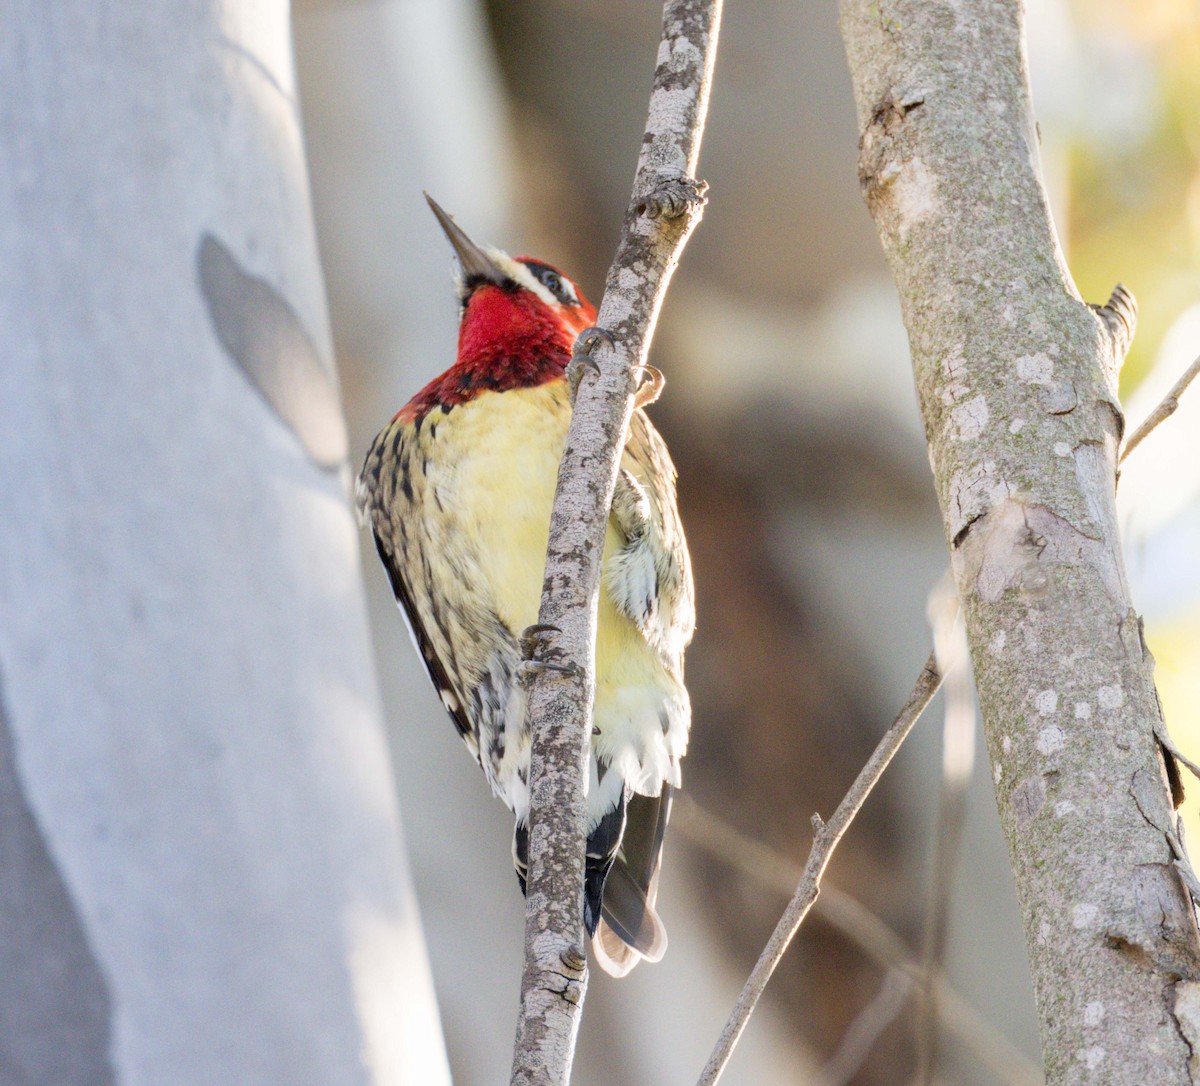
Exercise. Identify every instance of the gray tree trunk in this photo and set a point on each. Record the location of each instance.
(201, 872)
(1017, 382)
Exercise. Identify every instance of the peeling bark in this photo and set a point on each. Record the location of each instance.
(1017, 380)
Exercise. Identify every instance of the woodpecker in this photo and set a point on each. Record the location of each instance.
(457, 490)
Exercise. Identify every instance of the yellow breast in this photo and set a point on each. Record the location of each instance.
(497, 464)
(483, 491)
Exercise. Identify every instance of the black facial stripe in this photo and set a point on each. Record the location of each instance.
(552, 280)
(473, 282)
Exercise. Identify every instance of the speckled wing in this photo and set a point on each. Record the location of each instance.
(650, 578)
(384, 474)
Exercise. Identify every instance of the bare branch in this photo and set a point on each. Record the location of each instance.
(825, 839)
(859, 925)
(1168, 407)
(664, 209)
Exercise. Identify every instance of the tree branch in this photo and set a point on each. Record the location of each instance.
(825, 839)
(664, 209)
(858, 924)
(1166, 408)
(1017, 383)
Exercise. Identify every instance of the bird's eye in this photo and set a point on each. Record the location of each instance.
(554, 283)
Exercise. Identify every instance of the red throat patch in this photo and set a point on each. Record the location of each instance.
(507, 339)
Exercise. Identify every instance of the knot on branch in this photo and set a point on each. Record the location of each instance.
(878, 162)
(1119, 315)
(573, 959)
(674, 198)
(569, 981)
(1156, 923)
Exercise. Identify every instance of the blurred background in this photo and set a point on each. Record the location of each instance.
(804, 484)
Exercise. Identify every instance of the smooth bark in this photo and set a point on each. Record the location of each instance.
(201, 871)
(1017, 380)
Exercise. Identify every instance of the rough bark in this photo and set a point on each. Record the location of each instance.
(664, 209)
(201, 872)
(1017, 383)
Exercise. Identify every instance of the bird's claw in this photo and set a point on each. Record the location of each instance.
(581, 357)
(589, 338)
(651, 383)
(537, 637)
(674, 198)
(576, 368)
(539, 650)
(529, 668)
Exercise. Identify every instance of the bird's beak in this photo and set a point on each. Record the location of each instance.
(474, 262)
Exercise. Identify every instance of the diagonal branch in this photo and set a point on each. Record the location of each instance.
(826, 836)
(664, 209)
(1166, 408)
(853, 920)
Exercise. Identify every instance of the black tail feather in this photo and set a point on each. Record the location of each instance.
(620, 881)
(520, 851)
(602, 844)
(631, 929)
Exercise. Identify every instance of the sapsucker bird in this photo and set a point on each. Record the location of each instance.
(457, 489)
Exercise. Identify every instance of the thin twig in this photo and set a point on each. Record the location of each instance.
(1164, 737)
(664, 209)
(958, 762)
(1165, 409)
(853, 920)
(825, 839)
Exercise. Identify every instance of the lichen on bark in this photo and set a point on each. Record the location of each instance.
(1016, 378)
(665, 207)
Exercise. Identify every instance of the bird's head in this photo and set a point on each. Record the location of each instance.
(519, 320)
(514, 310)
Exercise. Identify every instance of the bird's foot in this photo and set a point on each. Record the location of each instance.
(538, 651)
(581, 357)
(529, 668)
(537, 639)
(673, 198)
(651, 383)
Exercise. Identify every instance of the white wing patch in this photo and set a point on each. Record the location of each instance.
(631, 579)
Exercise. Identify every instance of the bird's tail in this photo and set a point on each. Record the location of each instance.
(624, 852)
(629, 928)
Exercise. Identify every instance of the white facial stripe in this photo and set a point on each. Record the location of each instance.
(518, 273)
(568, 290)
